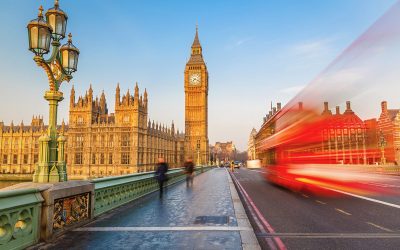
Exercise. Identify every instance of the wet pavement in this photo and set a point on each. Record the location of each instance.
(198, 217)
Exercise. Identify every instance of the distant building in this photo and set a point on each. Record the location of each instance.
(389, 128)
(224, 151)
(251, 145)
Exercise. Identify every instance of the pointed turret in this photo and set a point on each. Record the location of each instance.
(196, 56)
(145, 96)
(117, 96)
(103, 103)
(136, 95)
(72, 97)
(90, 91)
(21, 126)
(62, 127)
(196, 42)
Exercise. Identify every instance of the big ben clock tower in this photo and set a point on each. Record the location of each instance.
(196, 105)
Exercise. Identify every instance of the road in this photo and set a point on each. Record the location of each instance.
(302, 221)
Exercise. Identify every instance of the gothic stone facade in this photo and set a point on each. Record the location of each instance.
(19, 146)
(98, 143)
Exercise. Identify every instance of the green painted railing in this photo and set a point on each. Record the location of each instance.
(20, 212)
(112, 192)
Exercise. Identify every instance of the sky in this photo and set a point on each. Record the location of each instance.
(257, 52)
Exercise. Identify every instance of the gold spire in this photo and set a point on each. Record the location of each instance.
(196, 42)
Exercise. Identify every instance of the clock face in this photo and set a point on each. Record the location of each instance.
(194, 79)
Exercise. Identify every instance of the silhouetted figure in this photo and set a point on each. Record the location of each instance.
(161, 174)
(232, 166)
(189, 170)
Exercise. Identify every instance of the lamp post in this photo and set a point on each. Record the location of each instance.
(382, 145)
(59, 67)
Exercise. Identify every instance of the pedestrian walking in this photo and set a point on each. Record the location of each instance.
(161, 174)
(232, 166)
(189, 170)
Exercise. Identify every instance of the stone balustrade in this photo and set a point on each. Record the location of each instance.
(22, 211)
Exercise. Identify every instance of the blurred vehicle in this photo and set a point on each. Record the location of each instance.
(237, 164)
(298, 158)
(254, 164)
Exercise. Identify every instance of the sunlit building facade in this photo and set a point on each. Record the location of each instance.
(98, 143)
(389, 133)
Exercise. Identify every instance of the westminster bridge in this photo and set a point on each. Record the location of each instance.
(126, 212)
(221, 210)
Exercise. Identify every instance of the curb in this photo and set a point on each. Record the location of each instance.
(248, 238)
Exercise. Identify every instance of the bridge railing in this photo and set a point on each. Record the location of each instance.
(112, 192)
(20, 212)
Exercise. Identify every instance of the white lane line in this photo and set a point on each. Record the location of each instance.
(320, 202)
(380, 227)
(142, 229)
(364, 198)
(304, 195)
(332, 235)
(342, 211)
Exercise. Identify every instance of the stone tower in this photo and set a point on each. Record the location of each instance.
(196, 105)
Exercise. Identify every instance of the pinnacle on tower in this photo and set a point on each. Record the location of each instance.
(90, 90)
(136, 90)
(117, 96)
(196, 42)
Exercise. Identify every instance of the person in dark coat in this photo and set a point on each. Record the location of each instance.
(161, 174)
(189, 169)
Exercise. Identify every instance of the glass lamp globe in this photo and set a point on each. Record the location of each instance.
(57, 19)
(39, 34)
(69, 56)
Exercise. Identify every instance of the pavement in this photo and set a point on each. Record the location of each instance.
(208, 215)
(303, 221)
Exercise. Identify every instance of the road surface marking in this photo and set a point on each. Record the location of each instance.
(342, 211)
(331, 235)
(365, 198)
(304, 195)
(141, 229)
(380, 227)
(266, 225)
(320, 202)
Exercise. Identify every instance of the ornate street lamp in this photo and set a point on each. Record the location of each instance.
(59, 67)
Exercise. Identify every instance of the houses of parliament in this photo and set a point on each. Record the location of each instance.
(100, 143)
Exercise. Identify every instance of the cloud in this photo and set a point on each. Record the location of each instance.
(313, 48)
(238, 43)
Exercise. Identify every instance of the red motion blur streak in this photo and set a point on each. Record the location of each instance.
(301, 158)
